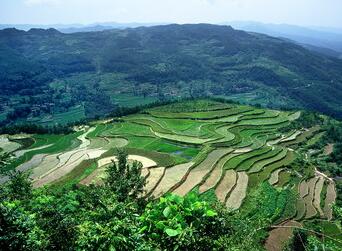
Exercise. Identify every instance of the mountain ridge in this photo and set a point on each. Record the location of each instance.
(161, 61)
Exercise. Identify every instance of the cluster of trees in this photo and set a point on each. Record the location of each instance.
(35, 129)
(307, 119)
(333, 136)
(336, 155)
(334, 131)
(124, 111)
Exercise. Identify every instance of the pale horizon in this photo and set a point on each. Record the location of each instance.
(307, 13)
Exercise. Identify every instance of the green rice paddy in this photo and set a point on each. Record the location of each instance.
(190, 133)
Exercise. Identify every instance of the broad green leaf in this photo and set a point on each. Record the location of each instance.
(171, 232)
(167, 212)
(211, 213)
(160, 225)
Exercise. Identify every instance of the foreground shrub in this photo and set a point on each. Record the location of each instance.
(182, 223)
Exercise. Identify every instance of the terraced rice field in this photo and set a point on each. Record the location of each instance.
(226, 184)
(172, 177)
(309, 198)
(317, 196)
(197, 173)
(8, 146)
(239, 193)
(203, 146)
(329, 200)
(274, 177)
(216, 174)
(155, 176)
(274, 156)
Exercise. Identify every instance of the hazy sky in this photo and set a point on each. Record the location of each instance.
(300, 12)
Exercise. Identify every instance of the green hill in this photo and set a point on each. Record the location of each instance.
(45, 73)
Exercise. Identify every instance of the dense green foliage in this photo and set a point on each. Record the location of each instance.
(35, 129)
(48, 76)
(306, 120)
(182, 223)
(333, 136)
(91, 218)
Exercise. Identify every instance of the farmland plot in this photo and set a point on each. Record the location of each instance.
(22, 152)
(8, 146)
(310, 209)
(329, 200)
(317, 196)
(48, 163)
(218, 150)
(146, 162)
(301, 209)
(239, 193)
(172, 176)
(35, 161)
(199, 172)
(216, 174)
(226, 184)
(274, 177)
(153, 179)
(182, 138)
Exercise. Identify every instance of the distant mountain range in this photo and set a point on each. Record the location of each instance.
(325, 40)
(53, 71)
(72, 28)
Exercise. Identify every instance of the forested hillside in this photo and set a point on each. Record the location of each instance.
(49, 77)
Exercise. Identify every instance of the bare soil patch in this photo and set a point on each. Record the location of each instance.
(278, 237)
(197, 174)
(226, 185)
(329, 200)
(172, 176)
(239, 193)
